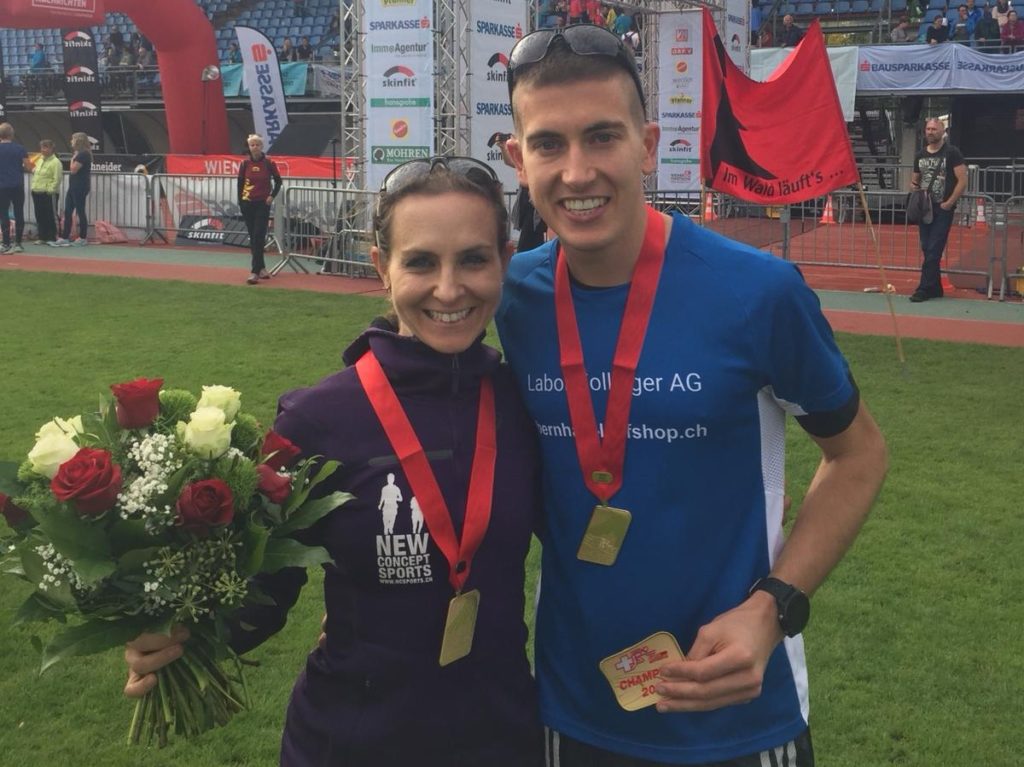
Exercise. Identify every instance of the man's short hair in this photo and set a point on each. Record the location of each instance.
(561, 66)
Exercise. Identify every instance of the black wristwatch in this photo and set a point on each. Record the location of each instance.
(793, 605)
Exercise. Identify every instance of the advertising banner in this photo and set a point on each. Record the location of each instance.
(228, 165)
(86, 8)
(3, 87)
(266, 94)
(679, 100)
(495, 27)
(399, 68)
(82, 85)
(737, 32)
(924, 68)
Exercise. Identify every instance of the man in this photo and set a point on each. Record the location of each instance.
(986, 34)
(1001, 12)
(712, 342)
(305, 51)
(791, 33)
(939, 168)
(37, 62)
(961, 27)
(901, 32)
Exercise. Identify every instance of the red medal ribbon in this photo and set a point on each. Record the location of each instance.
(602, 461)
(421, 477)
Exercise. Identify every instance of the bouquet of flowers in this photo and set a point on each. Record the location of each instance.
(156, 511)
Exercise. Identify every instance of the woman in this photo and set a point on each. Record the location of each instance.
(13, 164)
(46, 179)
(258, 185)
(394, 681)
(937, 32)
(1013, 33)
(79, 185)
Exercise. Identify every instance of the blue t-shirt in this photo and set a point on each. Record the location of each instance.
(736, 339)
(81, 181)
(12, 169)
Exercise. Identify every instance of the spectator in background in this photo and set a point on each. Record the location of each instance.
(305, 51)
(46, 178)
(287, 52)
(37, 61)
(1001, 12)
(144, 57)
(1013, 33)
(974, 13)
(112, 56)
(79, 186)
(937, 32)
(791, 33)
(13, 164)
(233, 55)
(609, 17)
(961, 27)
(128, 57)
(594, 14)
(756, 19)
(575, 11)
(117, 40)
(632, 38)
(623, 23)
(901, 32)
(986, 34)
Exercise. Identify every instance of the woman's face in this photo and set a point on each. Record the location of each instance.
(444, 268)
(255, 147)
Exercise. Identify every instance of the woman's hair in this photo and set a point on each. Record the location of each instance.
(440, 180)
(6, 131)
(80, 142)
(254, 137)
(46, 144)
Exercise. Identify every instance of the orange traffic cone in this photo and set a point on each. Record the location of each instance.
(709, 209)
(947, 286)
(826, 215)
(979, 218)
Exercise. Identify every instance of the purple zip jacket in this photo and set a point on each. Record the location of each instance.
(375, 694)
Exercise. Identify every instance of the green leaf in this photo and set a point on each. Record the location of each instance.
(254, 545)
(91, 637)
(286, 552)
(9, 484)
(127, 534)
(80, 540)
(37, 608)
(311, 512)
(299, 496)
(133, 561)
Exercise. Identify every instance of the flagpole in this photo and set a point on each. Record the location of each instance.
(881, 272)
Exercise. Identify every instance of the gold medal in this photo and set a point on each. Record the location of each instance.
(459, 626)
(604, 535)
(634, 672)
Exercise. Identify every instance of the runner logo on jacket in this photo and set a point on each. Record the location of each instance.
(402, 557)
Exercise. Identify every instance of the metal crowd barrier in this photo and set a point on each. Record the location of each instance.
(120, 198)
(1011, 260)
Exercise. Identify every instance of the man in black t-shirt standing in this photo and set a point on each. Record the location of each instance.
(940, 169)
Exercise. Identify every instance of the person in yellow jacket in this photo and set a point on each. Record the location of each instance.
(46, 178)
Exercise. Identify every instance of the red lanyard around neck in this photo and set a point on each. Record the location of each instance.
(406, 444)
(602, 460)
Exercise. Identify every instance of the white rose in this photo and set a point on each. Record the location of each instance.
(50, 451)
(224, 397)
(206, 432)
(61, 428)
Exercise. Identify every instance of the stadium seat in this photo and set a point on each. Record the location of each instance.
(804, 9)
(786, 8)
(898, 6)
(823, 7)
(860, 6)
(843, 6)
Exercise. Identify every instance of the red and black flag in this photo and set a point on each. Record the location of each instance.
(774, 142)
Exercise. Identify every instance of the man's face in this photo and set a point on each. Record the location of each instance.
(584, 166)
(934, 131)
(787, 21)
(963, 11)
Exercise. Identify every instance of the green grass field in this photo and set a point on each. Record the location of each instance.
(914, 645)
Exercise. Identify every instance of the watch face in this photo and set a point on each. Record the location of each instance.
(795, 613)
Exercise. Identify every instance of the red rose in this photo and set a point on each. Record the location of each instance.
(277, 487)
(281, 450)
(205, 504)
(15, 515)
(90, 480)
(138, 402)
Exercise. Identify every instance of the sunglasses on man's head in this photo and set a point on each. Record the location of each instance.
(583, 40)
(479, 173)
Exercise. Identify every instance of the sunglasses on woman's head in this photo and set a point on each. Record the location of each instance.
(479, 173)
(583, 40)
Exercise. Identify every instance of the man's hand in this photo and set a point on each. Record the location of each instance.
(946, 205)
(726, 663)
(150, 653)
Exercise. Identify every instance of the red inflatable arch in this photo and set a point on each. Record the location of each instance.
(184, 40)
